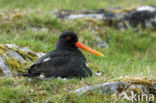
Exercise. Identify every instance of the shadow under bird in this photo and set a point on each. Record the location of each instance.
(65, 61)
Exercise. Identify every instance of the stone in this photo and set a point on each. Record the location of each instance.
(5, 67)
(130, 88)
(118, 17)
(14, 58)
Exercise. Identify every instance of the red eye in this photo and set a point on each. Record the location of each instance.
(68, 37)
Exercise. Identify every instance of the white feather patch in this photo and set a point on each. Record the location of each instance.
(59, 78)
(86, 64)
(98, 74)
(42, 76)
(46, 59)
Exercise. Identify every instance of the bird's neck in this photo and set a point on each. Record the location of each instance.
(67, 47)
(70, 49)
(62, 44)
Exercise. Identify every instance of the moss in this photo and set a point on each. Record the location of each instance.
(140, 80)
(1, 72)
(122, 10)
(13, 63)
(27, 56)
(3, 49)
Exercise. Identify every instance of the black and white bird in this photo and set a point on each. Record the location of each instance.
(65, 61)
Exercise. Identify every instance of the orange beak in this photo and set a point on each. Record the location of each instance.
(80, 45)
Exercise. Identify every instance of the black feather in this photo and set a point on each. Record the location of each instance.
(65, 61)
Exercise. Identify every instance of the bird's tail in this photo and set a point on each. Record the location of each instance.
(28, 74)
(22, 74)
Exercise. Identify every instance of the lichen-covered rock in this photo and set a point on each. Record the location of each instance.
(117, 17)
(14, 58)
(129, 88)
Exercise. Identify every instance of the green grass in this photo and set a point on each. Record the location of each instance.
(130, 53)
(71, 4)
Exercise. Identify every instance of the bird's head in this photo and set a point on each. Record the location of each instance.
(70, 39)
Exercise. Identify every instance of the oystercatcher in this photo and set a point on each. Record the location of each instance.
(65, 61)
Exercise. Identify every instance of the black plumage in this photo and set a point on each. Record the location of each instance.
(65, 61)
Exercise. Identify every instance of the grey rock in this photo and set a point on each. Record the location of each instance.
(5, 67)
(122, 19)
(11, 52)
(16, 56)
(126, 88)
(26, 49)
(11, 45)
(40, 54)
(108, 87)
(78, 16)
(103, 45)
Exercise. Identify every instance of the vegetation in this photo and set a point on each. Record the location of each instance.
(31, 23)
